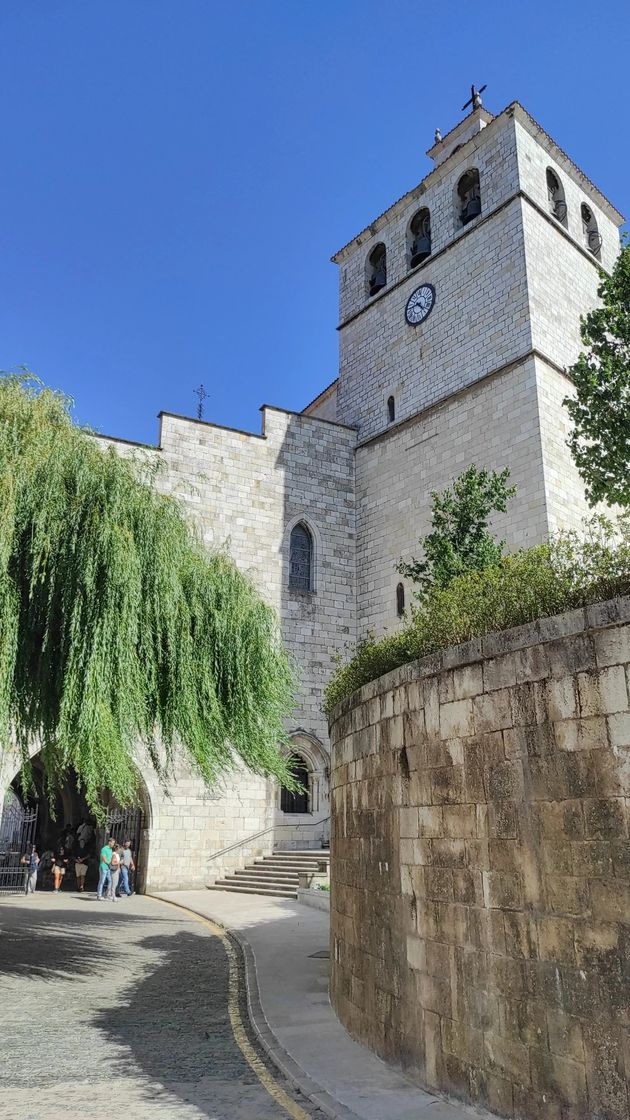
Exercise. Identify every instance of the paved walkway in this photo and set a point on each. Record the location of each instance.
(289, 960)
(110, 1011)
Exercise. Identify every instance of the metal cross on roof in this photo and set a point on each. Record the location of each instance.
(475, 98)
(201, 393)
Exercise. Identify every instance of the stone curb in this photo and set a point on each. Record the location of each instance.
(294, 1073)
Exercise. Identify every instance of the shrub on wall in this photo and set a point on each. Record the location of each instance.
(571, 571)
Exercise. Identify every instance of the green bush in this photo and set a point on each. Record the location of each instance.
(571, 571)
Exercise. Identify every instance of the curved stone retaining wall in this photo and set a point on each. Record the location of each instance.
(480, 903)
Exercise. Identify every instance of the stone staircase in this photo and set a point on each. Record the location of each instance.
(275, 875)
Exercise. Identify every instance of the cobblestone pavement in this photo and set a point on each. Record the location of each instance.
(112, 1011)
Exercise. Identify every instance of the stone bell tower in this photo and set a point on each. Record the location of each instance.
(459, 312)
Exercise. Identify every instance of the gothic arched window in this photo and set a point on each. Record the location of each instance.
(301, 558)
(419, 237)
(469, 196)
(391, 410)
(590, 231)
(555, 195)
(296, 802)
(377, 269)
(400, 600)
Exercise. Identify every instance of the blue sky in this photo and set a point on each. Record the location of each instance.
(177, 173)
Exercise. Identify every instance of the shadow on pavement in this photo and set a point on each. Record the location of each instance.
(48, 945)
(175, 1024)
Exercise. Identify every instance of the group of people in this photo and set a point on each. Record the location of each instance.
(115, 865)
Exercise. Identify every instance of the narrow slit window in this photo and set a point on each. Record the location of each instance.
(391, 410)
(400, 600)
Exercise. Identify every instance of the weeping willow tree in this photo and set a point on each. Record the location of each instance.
(116, 627)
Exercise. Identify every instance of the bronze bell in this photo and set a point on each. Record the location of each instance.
(420, 250)
(471, 209)
(378, 281)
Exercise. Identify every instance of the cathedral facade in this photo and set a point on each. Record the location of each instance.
(459, 311)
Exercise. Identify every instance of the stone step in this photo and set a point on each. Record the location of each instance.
(272, 891)
(268, 872)
(270, 881)
(313, 853)
(286, 865)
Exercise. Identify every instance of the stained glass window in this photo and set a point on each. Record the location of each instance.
(301, 559)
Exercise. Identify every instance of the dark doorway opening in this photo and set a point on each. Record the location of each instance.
(297, 802)
(65, 820)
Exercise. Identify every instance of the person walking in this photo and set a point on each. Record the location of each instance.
(126, 866)
(104, 873)
(114, 867)
(60, 863)
(80, 870)
(32, 866)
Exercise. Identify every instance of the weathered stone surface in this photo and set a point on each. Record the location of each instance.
(506, 967)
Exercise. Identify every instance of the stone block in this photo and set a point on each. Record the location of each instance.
(456, 719)
(503, 890)
(507, 1058)
(570, 656)
(408, 823)
(468, 887)
(619, 730)
(562, 699)
(565, 1034)
(430, 820)
(581, 734)
(467, 682)
(611, 900)
(416, 952)
(608, 613)
(605, 818)
(499, 672)
(492, 712)
(555, 939)
(612, 647)
(460, 821)
(462, 654)
(463, 1041)
(561, 625)
(564, 1077)
(531, 664)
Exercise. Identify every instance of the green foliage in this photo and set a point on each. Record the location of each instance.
(600, 439)
(459, 541)
(569, 572)
(115, 625)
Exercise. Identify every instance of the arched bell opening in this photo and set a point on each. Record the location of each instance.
(469, 196)
(590, 232)
(556, 199)
(419, 238)
(376, 272)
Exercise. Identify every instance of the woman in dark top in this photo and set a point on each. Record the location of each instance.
(59, 867)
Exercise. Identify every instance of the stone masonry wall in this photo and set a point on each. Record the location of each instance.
(494, 424)
(481, 868)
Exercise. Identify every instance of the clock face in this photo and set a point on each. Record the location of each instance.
(420, 304)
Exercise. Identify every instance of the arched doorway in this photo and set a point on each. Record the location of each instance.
(65, 819)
